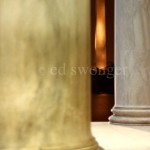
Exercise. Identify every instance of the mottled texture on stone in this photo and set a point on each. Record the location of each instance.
(44, 100)
(132, 61)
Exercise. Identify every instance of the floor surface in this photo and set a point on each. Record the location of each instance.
(117, 137)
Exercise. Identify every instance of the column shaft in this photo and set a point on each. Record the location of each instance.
(44, 99)
(132, 63)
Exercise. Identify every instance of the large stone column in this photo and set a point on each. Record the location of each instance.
(132, 62)
(44, 99)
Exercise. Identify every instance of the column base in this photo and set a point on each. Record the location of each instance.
(93, 146)
(130, 116)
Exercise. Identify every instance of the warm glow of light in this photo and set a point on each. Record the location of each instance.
(100, 35)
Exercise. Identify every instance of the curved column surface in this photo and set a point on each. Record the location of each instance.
(44, 99)
(132, 63)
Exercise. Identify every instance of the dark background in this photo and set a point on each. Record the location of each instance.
(102, 102)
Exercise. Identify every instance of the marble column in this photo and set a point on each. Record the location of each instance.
(132, 63)
(44, 96)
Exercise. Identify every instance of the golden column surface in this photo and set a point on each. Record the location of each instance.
(44, 95)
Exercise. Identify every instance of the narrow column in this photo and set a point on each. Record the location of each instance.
(44, 95)
(132, 63)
